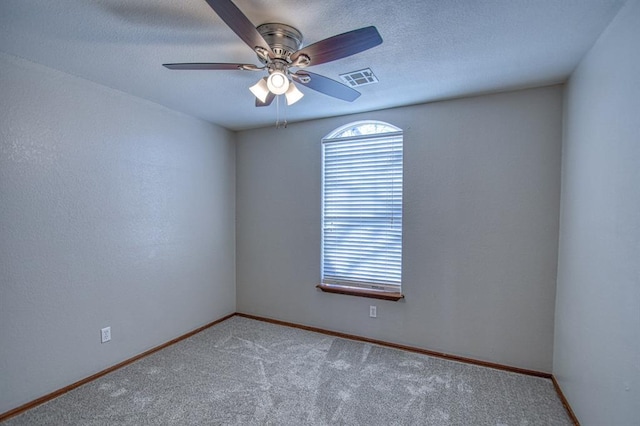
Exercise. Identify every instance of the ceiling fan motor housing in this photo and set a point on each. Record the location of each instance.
(283, 39)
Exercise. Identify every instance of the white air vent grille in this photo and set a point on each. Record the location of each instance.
(359, 78)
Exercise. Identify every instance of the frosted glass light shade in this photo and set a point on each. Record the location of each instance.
(293, 95)
(260, 89)
(278, 83)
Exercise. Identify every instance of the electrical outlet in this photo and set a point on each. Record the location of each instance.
(373, 311)
(105, 334)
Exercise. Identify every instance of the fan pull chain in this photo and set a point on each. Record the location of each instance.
(284, 114)
(283, 124)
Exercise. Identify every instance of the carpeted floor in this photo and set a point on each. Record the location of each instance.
(247, 372)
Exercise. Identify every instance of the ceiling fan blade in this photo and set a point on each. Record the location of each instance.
(340, 46)
(210, 66)
(327, 86)
(239, 23)
(267, 102)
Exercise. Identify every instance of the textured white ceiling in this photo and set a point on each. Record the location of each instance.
(432, 49)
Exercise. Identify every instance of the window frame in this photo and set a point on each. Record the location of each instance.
(379, 290)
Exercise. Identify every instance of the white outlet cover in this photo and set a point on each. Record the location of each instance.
(373, 311)
(105, 334)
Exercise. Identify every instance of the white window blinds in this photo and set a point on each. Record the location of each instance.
(362, 211)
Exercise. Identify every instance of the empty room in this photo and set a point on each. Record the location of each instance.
(296, 212)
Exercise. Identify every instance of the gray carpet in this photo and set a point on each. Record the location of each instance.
(246, 372)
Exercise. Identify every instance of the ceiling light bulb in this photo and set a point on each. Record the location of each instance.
(278, 83)
(293, 95)
(260, 90)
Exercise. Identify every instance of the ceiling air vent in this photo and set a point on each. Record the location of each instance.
(359, 78)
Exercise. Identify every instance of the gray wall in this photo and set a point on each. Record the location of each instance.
(113, 212)
(481, 212)
(597, 337)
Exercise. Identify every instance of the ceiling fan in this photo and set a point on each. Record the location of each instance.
(279, 49)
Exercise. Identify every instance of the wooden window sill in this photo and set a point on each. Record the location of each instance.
(383, 295)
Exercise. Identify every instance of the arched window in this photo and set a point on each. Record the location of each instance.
(362, 209)
(362, 128)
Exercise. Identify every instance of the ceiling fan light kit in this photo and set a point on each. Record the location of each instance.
(279, 48)
(278, 82)
(260, 89)
(293, 95)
